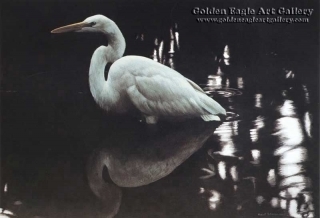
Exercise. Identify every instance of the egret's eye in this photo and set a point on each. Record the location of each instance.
(93, 23)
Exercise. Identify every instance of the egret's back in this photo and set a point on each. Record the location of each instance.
(157, 90)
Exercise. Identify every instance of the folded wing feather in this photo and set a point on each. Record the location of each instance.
(160, 96)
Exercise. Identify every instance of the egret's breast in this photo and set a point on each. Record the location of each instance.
(119, 80)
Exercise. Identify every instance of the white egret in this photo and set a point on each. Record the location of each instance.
(138, 83)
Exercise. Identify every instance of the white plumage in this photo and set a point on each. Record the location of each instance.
(139, 83)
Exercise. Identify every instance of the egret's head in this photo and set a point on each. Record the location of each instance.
(96, 23)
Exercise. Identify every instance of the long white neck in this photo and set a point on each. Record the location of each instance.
(99, 87)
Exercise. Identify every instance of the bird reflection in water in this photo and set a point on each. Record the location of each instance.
(143, 159)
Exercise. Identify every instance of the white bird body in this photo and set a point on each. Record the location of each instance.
(138, 83)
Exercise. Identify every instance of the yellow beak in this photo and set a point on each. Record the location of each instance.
(71, 27)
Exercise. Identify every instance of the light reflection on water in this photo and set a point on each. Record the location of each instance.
(258, 98)
(258, 124)
(226, 55)
(287, 139)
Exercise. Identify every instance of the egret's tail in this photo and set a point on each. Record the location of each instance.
(210, 118)
(212, 107)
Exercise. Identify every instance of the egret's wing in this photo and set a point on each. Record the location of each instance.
(156, 89)
(158, 95)
(195, 86)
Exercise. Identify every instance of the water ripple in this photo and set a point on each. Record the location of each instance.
(231, 116)
(222, 92)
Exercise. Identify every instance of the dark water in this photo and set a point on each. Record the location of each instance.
(63, 157)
